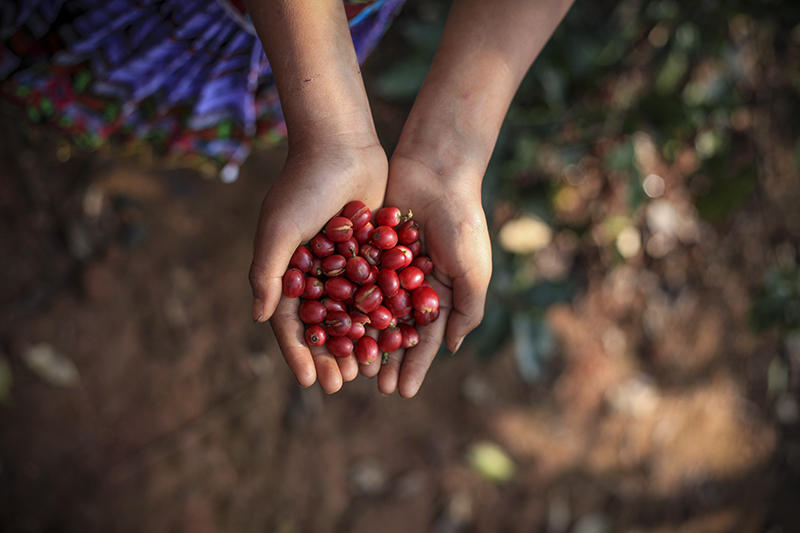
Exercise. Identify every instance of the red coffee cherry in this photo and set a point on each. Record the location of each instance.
(388, 216)
(373, 275)
(408, 232)
(340, 346)
(389, 282)
(425, 299)
(321, 246)
(380, 318)
(348, 248)
(312, 312)
(339, 288)
(315, 335)
(424, 263)
(363, 234)
(416, 248)
(333, 305)
(316, 267)
(367, 298)
(396, 258)
(384, 237)
(358, 213)
(337, 323)
(357, 270)
(390, 339)
(423, 318)
(339, 229)
(371, 253)
(301, 259)
(410, 336)
(293, 283)
(400, 303)
(313, 288)
(356, 331)
(367, 350)
(333, 265)
(411, 278)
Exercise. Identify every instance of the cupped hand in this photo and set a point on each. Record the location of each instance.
(313, 186)
(447, 205)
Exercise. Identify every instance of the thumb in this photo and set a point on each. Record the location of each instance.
(469, 298)
(276, 239)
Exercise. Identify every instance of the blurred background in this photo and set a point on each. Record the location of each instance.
(638, 369)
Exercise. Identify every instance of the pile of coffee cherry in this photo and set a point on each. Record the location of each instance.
(359, 281)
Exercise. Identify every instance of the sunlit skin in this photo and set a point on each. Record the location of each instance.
(436, 170)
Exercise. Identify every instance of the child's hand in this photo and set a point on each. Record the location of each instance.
(453, 227)
(314, 185)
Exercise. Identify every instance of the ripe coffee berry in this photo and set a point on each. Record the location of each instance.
(411, 278)
(390, 339)
(356, 331)
(423, 318)
(370, 253)
(367, 350)
(425, 299)
(410, 336)
(373, 275)
(388, 216)
(313, 288)
(302, 259)
(416, 248)
(316, 267)
(333, 265)
(389, 282)
(367, 298)
(400, 303)
(381, 318)
(357, 270)
(358, 213)
(363, 234)
(338, 323)
(397, 258)
(408, 232)
(315, 335)
(384, 237)
(423, 263)
(312, 312)
(321, 246)
(339, 229)
(339, 288)
(333, 305)
(340, 346)
(348, 248)
(293, 283)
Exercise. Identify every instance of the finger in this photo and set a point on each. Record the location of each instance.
(328, 374)
(418, 359)
(348, 367)
(389, 372)
(289, 333)
(469, 298)
(275, 242)
(370, 370)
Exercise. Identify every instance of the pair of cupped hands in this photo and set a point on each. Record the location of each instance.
(316, 181)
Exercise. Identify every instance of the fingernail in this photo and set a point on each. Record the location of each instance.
(458, 345)
(258, 310)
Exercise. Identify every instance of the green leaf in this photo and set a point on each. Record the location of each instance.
(491, 462)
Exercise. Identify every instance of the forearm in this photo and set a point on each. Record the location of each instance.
(316, 70)
(486, 49)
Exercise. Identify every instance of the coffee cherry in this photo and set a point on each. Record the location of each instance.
(356, 331)
(301, 259)
(380, 318)
(321, 246)
(340, 346)
(339, 288)
(424, 263)
(367, 298)
(384, 237)
(363, 234)
(357, 270)
(313, 288)
(400, 303)
(390, 339)
(425, 299)
(337, 323)
(408, 232)
(315, 335)
(388, 216)
(373, 275)
(410, 336)
(333, 305)
(423, 318)
(367, 350)
(358, 213)
(396, 258)
(416, 248)
(371, 253)
(312, 312)
(411, 278)
(339, 229)
(333, 265)
(389, 282)
(316, 267)
(293, 283)
(348, 248)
